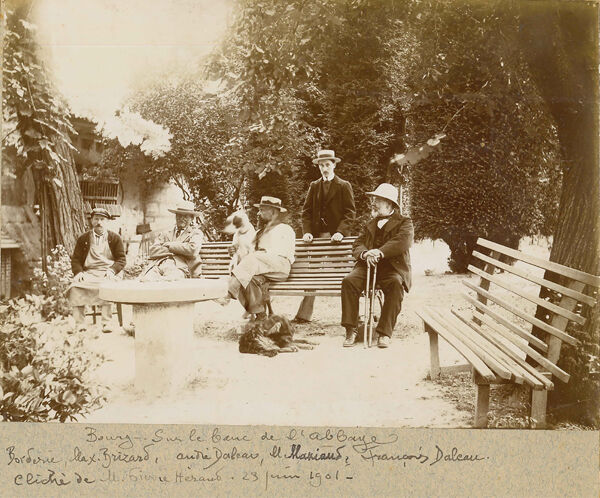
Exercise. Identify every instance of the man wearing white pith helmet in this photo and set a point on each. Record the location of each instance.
(328, 211)
(384, 242)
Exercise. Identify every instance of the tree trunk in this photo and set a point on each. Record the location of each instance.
(560, 40)
(65, 209)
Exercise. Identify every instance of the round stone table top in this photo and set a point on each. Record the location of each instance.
(179, 291)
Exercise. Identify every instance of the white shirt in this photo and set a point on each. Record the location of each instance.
(279, 241)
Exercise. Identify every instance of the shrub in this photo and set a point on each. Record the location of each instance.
(496, 174)
(53, 284)
(44, 371)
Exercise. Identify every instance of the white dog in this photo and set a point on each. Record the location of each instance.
(243, 232)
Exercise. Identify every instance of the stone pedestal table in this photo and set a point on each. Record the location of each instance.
(163, 314)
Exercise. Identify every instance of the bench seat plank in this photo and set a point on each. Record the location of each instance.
(541, 360)
(531, 376)
(579, 296)
(467, 354)
(533, 299)
(302, 293)
(493, 357)
(534, 321)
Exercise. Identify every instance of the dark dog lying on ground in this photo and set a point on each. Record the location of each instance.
(271, 335)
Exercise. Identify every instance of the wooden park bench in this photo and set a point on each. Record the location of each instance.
(318, 269)
(497, 340)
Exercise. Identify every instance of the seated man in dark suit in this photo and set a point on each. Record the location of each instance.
(384, 242)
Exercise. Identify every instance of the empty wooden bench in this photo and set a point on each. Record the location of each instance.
(318, 269)
(496, 338)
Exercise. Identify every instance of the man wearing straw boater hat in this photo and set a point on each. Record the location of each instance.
(274, 245)
(328, 211)
(385, 242)
(98, 256)
(175, 255)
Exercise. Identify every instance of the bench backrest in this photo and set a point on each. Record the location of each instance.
(507, 311)
(318, 269)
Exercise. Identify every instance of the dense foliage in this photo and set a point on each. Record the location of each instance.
(497, 174)
(44, 371)
(45, 368)
(52, 284)
(36, 125)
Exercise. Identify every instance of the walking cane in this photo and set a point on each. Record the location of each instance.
(371, 310)
(366, 316)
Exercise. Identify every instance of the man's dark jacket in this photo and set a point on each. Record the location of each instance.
(339, 209)
(82, 248)
(398, 234)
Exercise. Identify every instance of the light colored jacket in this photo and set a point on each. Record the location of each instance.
(278, 240)
(185, 249)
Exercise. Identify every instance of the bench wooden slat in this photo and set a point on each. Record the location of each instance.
(530, 374)
(324, 259)
(467, 354)
(318, 269)
(336, 280)
(515, 311)
(301, 293)
(517, 330)
(579, 296)
(533, 299)
(541, 263)
(325, 241)
(493, 357)
(303, 288)
(303, 263)
(304, 272)
(542, 361)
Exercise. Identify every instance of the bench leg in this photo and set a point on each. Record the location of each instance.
(538, 408)
(94, 313)
(120, 314)
(434, 354)
(482, 405)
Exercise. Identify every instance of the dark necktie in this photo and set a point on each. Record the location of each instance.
(326, 185)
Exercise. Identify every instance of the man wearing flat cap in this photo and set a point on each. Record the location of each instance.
(328, 211)
(98, 256)
(275, 245)
(384, 242)
(175, 255)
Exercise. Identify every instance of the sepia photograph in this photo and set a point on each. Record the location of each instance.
(224, 222)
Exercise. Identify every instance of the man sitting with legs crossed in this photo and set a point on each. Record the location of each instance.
(275, 245)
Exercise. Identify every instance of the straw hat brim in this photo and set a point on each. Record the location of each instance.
(320, 159)
(373, 194)
(108, 217)
(281, 209)
(185, 211)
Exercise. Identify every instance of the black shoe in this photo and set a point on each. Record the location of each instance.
(350, 338)
(300, 320)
